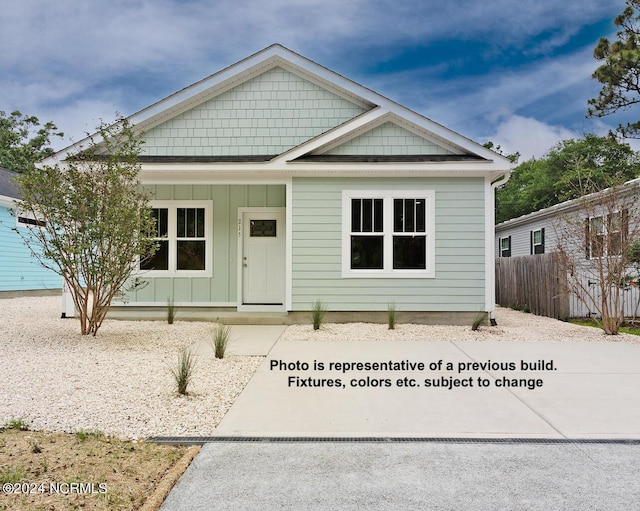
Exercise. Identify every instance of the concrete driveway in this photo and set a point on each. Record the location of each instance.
(570, 442)
(574, 390)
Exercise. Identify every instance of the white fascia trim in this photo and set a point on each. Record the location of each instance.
(8, 202)
(344, 130)
(201, 173)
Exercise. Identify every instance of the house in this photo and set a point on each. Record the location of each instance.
(277, 182)
(20, 272)
(592, 226)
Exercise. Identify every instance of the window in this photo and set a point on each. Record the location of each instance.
(184, 236)
(604, 234)
(28, 219)
(388, 233)
(505, 247)
(537, 241)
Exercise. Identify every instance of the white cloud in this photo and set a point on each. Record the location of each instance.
(530, 137)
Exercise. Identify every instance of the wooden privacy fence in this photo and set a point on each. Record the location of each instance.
(532, 282)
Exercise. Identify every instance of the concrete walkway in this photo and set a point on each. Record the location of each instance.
(589, 390)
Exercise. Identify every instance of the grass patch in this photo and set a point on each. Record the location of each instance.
(220, 340)
(626, 328)
(128, 472)
(183, 371)
(12, 475)
(83, 435)
(17, 424)
(317, 314)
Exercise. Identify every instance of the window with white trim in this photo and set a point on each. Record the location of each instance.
(604, 234)
(388, 233)
(505, 247)
(184, 236)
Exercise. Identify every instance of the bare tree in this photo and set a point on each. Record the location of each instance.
(593, 248)
(92, 221)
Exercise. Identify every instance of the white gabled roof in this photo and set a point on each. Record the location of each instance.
(377, 109)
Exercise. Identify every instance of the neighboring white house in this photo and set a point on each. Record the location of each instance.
(277, 182)
(19, 271)
(538, 232)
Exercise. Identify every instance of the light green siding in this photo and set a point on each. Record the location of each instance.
(267, 115)
(221, 288)
(459, 249)
(388, 139)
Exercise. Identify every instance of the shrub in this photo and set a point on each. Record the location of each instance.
(317, 313)
(220, 340)
(172, 311)
(480, 319)
(391, 316)
(183, 371)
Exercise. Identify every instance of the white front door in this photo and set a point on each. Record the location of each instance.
(263, 257)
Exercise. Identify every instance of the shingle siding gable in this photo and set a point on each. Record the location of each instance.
(268, 114)
(388, 139)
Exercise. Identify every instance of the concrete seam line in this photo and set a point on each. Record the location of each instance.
(165, 485)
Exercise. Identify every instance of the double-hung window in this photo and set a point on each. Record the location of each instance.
(388, 233)
(537, 241)
(184, 236)
(604, 234)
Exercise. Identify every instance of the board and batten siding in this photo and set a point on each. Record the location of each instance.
(459, 248)
(221, 288)
(19, 270)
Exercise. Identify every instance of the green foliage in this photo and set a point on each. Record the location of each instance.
(317, 314)
(522, 307)
(571, 169)
(97, 219)
(24, 141)
(17, 424)
(183, 371)
(83, 435)
(391, 316)
(620, 72)
(513, 158)
(220, 340)
(12, 475)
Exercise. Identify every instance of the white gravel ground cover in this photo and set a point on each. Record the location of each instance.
(120, 382)
(512, 326)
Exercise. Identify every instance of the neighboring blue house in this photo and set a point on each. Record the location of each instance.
(19, 270)
(277, 182)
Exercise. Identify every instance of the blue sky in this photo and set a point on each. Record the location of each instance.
(517, 72)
